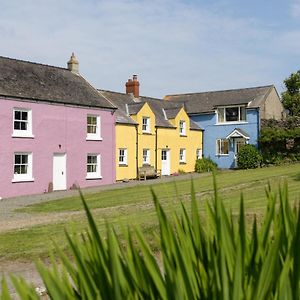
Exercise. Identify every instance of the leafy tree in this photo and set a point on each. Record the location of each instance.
(291, 97)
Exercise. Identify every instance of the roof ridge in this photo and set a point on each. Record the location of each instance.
(109, 91)
(31, 62)
(228, 90)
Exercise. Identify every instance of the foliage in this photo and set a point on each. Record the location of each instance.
(280, 141)
(216, 259)
(205, 165)
(248, 157)
(291, 97)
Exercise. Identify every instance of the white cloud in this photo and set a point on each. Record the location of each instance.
(295, 9)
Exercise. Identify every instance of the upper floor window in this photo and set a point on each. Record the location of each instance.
(182, 128)
(182, 155)
(93, 127)
(146, 124)
(22, 122)
(231, 114)
(22, 167)
(222, 147)
(146, 156)
(123, 156)
(93, 167)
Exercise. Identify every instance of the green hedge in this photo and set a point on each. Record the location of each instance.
(205, 165)
(248, 157)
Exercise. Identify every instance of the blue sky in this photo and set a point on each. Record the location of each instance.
(174, 46)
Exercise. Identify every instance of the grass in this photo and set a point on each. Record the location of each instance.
(134, 206)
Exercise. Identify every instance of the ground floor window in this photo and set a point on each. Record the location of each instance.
(182, 155)
(222, 147)
(93, 166)
(198, 153)
(22, 166)
(146, 156)
(123, 156)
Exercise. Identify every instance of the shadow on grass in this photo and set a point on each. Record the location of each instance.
(297, 177)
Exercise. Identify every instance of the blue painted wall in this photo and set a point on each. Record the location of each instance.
(214, 131)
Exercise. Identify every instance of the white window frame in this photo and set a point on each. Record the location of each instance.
(26, 176)
(182, 155)
(97, 173)
(146, 156)
(220, 146)
(182, 128)
(146, 125)
(19, 132)
(123, 156)
(199, 153)
(223, 110)
(97, 135)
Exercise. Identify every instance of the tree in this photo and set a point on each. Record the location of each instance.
(291, 97)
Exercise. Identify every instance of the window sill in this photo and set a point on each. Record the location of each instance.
(123, 165)
(147, 132)
(182, 163)
(231, 123)
(183, 135)
(222, 154)
(94, 139)
(17, 135)
(95, 177)
(23, 180)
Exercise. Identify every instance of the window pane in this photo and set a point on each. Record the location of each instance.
(232, 114)
(17, 115)
(17, 159)
(24, 115)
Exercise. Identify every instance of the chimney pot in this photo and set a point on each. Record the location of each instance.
(133, 86)
(73, 64)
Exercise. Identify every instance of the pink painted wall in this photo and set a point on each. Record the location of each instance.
(54, 125)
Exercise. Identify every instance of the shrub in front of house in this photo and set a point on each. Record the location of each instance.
(205, 165)
(248, 157)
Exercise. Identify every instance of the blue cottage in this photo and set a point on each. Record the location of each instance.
(230, 118)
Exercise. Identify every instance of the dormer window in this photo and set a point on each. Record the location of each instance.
(231, 114)
(146, 125)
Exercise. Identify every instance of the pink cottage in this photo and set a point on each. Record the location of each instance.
(56, 130)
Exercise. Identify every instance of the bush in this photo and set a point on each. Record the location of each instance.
(213, 257)
(248, 157)
(205, 165)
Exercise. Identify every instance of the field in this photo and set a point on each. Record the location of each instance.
(133, 206)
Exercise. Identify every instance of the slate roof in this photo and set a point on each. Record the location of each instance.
(121, 100)
(206, 102)
(33, 81)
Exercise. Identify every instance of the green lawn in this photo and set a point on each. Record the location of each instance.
(133, 206)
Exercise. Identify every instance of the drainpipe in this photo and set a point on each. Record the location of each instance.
(156, 148)
(137, 150)
(202, 143)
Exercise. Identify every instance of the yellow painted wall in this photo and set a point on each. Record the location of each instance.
(145, 140)
(126, 138)
(172, 140)
(167, 138)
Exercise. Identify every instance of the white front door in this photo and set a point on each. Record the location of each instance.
(165, 162)
(59, 171)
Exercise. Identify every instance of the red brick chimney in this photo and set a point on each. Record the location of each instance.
(133, 86)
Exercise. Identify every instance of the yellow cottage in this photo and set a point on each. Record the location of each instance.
(152, 132)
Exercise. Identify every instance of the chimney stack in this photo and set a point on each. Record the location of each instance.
(73, 64)
(133, 86)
